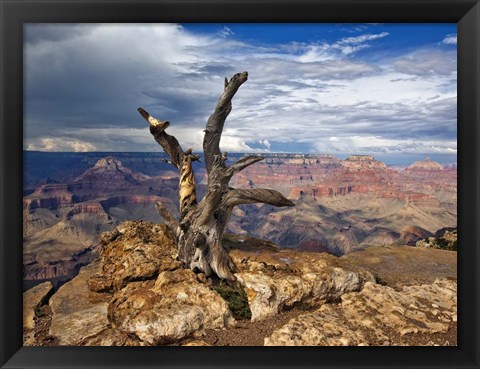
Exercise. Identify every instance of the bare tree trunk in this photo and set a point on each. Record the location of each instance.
(201, 226)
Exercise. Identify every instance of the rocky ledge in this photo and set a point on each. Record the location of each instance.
(377, 316)
(137, 294)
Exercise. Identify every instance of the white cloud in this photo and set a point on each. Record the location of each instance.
(450, 39)
(363, 38)
(427, 62)
(380, 145)
(60, 144)
(235, 144)
(265, 143)
(226, 32)
(345, 46)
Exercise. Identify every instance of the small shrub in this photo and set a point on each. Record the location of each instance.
(236, 299)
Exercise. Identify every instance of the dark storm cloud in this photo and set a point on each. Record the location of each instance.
(35, 33)
(396, 121)
(207, 70)
(87, 83)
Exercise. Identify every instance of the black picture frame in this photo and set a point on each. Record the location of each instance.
(14, 13)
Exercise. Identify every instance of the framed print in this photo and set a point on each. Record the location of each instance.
(283, 184)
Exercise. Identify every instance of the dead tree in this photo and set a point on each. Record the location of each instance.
(201, 225)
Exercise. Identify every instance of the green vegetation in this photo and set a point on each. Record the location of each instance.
(237, 300)
(441, 243)
(445, 239)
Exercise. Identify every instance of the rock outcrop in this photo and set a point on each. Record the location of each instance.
(177, 306)
(78, 312)
(376, 316)
(109, 171)
(426, 164)
(279, 280)
(411, 234)
(134, 251)
(138, 294)
(32, 300)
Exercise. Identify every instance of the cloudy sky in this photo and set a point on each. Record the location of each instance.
(383, 89)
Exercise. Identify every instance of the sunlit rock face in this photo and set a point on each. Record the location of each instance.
(376, 316)
(278, 280)
(175, 307)
(133, 251)
(137, 294)
(78, 312)
(32, 300)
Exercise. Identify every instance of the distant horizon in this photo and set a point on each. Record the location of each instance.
(436, 158)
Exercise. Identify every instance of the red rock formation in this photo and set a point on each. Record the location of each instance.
(313, 245)
(426, 164)
(111, 169)
(87, 207)
(362, 162)
(411, 234)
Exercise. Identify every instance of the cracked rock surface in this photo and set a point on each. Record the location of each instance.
(377, 315)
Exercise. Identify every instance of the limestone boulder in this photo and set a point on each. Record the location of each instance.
(269, 295)
(134, 251)
(176, 306)
(275, 280)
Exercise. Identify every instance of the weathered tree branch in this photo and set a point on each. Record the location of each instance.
(169, 143)
(215, 123)
(188, 196)
(256, 195)
(181, 160)
(170, 221)
(243, 163)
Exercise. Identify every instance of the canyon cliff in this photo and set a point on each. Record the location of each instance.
(346, 205)
(62, 221)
